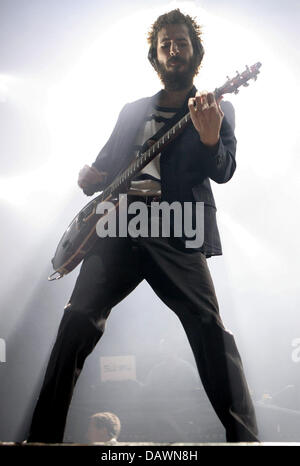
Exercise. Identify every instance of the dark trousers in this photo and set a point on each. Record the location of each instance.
(182, 280)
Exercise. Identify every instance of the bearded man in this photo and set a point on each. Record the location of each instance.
(179, 275)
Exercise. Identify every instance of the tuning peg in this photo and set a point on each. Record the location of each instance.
(236, 91)
(246, 84)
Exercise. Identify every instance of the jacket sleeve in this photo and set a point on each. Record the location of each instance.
(220, 160)
(104, 160)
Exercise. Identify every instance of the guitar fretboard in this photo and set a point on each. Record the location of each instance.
(145, 157)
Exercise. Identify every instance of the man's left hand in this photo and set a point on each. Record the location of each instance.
(207, 116)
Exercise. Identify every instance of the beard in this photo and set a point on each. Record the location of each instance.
(174, 79)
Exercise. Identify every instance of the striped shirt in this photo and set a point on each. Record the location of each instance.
(147, 183)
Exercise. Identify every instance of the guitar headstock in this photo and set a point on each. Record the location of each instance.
(241, 79)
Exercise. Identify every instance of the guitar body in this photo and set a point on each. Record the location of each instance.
(81, 234)
(79, 237)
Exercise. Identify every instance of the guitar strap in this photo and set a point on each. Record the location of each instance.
(171, 121)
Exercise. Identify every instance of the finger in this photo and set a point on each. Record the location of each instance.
(211, 99)
(86, 177)
(204, 101)
(219, 106)
(213, 103)
(81, 183)
(193, 112)
(219, 99)
(201, 101)
(84, 171)
(192, 106)
(192, 102)
(201, 93)
(221, 111)
(97, 172)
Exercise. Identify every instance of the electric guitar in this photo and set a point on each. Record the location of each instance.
(81, 235)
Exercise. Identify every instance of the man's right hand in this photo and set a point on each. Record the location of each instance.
(89, 176)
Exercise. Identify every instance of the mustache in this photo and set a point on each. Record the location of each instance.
(176, 60)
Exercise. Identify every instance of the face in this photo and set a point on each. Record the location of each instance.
(175, 57)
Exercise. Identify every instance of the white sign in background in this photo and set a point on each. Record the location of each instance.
(118, 368)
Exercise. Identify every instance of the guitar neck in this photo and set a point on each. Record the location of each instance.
(144, 158)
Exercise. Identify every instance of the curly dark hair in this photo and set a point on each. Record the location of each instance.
(176, 17)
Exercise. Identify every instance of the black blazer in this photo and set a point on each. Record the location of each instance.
(186, 164)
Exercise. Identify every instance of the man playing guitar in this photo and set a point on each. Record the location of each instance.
(204, 151)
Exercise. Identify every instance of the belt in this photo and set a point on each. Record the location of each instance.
(146, 199)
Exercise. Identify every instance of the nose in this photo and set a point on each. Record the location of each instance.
(174, 50)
